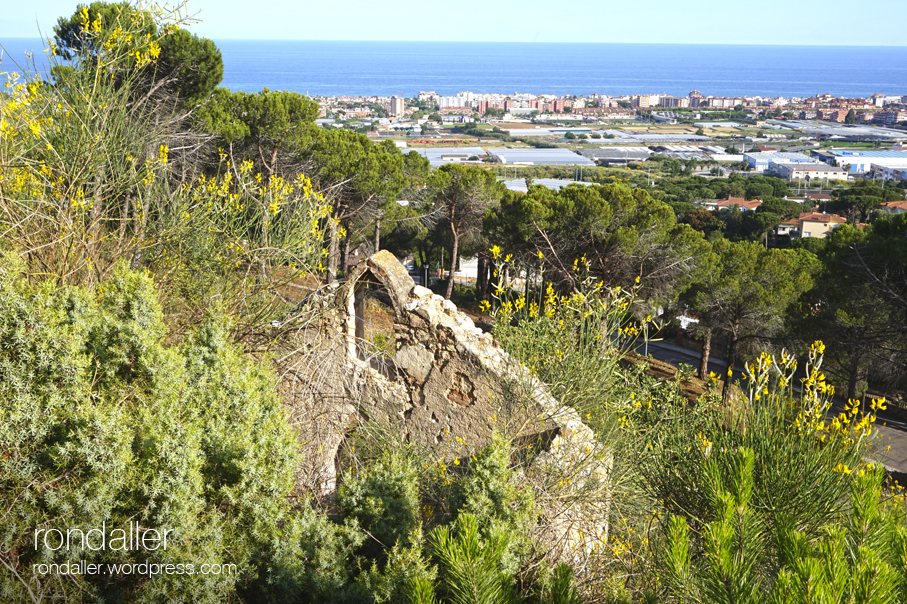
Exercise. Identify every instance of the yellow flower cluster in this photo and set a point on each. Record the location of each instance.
(118, 44)
(704, 444)
(809, 411)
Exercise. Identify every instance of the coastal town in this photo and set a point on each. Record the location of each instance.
(880, 109)
(821, 138)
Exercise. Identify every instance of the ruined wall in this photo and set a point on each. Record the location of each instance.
(458, 382)
(448, 380)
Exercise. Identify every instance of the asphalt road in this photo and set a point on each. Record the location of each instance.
(891, 447)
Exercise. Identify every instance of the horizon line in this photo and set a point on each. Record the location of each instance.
(535, 42)
(571, 43)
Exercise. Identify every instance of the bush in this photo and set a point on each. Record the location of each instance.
(384, 501)
(81, 208)
(102, 424)
(799, 449)
(745, 558)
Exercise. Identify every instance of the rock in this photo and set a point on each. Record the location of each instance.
(414, 360)
(420, 292)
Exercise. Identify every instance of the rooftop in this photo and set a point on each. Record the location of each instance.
(810, 167)
(819, 217)
(739, 202)
(438, 156)
(539, 157)
(779, 155)
(519, 184)
(616, 153)
(868, 153)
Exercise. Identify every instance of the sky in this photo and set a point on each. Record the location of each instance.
(807, 22)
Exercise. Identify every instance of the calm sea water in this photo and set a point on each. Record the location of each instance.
(405, 68)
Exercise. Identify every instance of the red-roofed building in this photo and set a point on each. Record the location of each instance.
(816, 224)
(895, 207)
(789, 227)
(741, 203)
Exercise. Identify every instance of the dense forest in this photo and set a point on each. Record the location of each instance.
(157, 230)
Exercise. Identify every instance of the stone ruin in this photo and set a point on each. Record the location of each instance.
(447, 382)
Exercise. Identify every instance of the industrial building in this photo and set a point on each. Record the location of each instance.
(859, 161)
(560, 132)
(616, 155)
(539, 157)
(440, 156)
(760, 161)
(803, 171)
(890, 169)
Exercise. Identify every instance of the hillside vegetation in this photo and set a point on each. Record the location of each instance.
(157, 231)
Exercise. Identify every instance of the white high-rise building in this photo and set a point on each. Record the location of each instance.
(398, 106)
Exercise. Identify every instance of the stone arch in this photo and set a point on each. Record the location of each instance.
(382, 268)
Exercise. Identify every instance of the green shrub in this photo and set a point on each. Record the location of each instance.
(471, 564)
(800, 449)
(101, 423)
(384, 501)
(744, 556)
(489, 493)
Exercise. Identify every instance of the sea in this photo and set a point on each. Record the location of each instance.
(325, 68)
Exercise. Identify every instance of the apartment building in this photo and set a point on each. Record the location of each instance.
(831, 115)
(398, 106)
(890, 118)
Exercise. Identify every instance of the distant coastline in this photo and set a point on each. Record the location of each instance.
(403, 68)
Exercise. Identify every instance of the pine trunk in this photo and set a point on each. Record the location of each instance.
(704, 356)
(377, 235)
(345, 259)
(481, 279)
(453, 263)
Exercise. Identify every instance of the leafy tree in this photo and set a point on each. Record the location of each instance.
(784, 208)
(463, 195)
(171, 61)
(748, 295)
(851, 117)
(757, 190)
(860, 304)
(412, 214)
(858, 201)
(272, 129)
(362, 177)
(622, 232)
(703, 220)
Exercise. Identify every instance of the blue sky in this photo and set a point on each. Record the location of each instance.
(828, 22)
